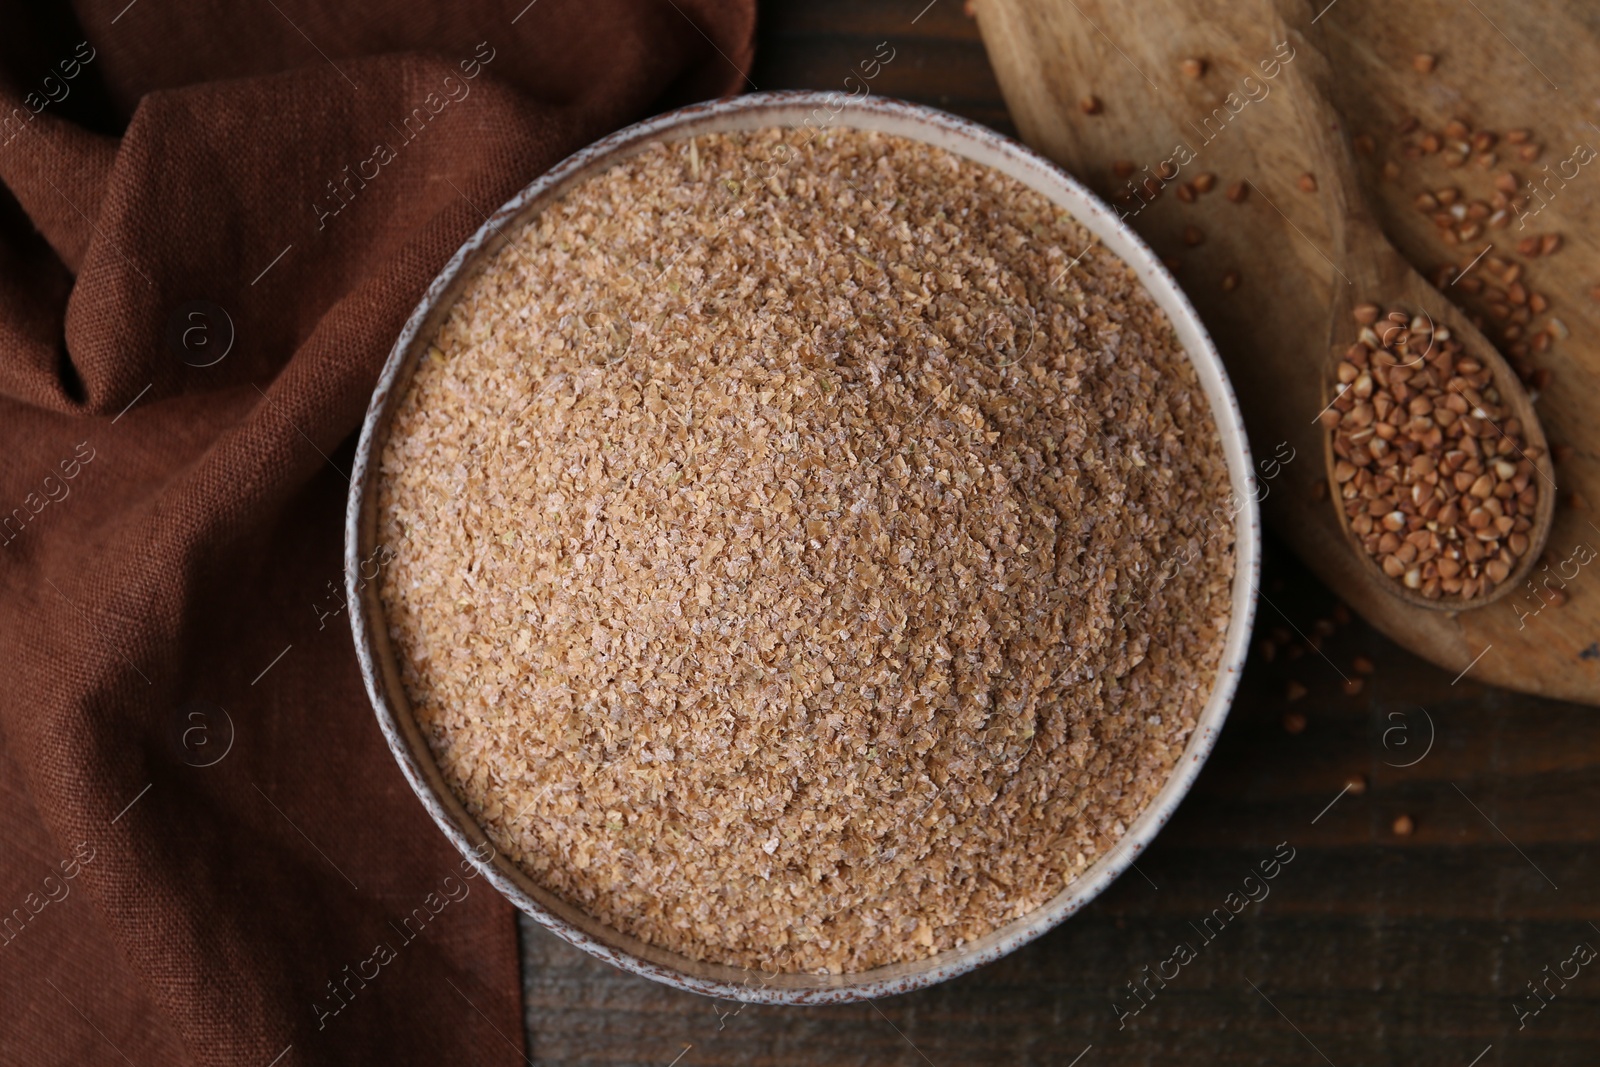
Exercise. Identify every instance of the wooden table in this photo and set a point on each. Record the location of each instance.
(1371, 947)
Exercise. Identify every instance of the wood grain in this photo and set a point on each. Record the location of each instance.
(1048, 54)
(1381, 950)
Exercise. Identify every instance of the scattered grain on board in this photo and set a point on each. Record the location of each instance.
(784, 562)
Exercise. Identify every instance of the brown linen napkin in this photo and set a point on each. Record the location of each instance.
(216, 218)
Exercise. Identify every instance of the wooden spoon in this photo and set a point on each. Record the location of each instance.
(1275, 268)
(1253, 252)
(1375, 272)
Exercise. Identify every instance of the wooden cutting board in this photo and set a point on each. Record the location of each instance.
(1500, 65)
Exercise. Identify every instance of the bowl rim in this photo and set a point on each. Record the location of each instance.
(378, 667)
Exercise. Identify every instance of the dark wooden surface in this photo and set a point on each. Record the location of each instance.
(1372, 948)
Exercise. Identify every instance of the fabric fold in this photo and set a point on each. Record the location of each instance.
(210, 236)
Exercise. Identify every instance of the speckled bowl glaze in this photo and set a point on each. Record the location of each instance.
(377, 657)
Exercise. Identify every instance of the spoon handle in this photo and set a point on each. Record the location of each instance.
(1367, 259)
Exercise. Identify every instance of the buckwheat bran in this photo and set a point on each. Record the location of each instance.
(810, 565)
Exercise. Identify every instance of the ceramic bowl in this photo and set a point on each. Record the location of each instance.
(377, 657)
